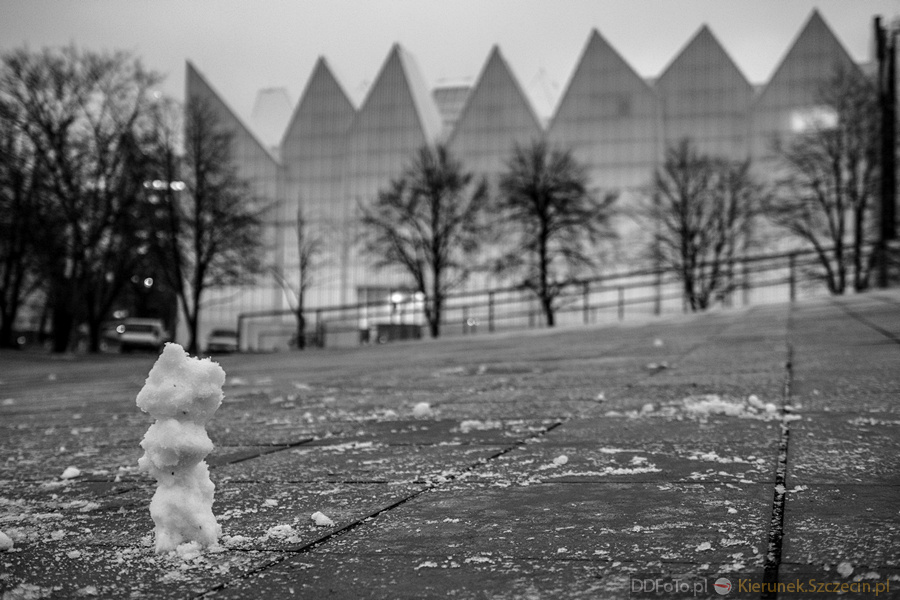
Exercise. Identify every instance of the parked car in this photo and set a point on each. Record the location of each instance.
(142, 334)
(222, 341)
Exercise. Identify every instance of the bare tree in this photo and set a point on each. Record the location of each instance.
(83, 113)
(429, 222)
(829, 179)
(309, 253)
(210, 221)
(555, 221)
(20, 189)
(702, 209)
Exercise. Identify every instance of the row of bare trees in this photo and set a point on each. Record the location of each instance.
(546, 226)
(102, 179)
(437, 220)
(99, 188)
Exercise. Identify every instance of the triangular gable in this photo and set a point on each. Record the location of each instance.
(496, 115)
(608, 116)
(809, 62)
(702, 55)
(397, 104)
(429, 115)
(323, 113)
(244, 139)
(706, 97)
(601, 74)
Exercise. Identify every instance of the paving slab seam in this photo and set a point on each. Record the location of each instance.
(776, 526)
(275, 448)
(323, 539)
(875, 327)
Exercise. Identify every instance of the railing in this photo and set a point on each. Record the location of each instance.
(639, 294)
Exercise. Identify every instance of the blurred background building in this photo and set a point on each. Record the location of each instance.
(329, 156)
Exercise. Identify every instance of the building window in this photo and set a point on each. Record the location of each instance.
(813, 118)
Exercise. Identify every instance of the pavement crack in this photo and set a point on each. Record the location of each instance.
(776, 523)
(325, 538)
(873, 326)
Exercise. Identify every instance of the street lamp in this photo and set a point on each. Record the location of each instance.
(886, 55)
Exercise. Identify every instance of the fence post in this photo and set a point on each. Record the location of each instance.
(491, 312)
(465, 319)
(586, 291)
(746, 282)
(320, 329)
(793, 275)
(621, 303)
(657, 301)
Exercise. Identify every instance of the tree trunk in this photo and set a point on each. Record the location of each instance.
(6, 331)
(94, 330)
(434, 319)
(192, 333)
(193, 323)
(63, 320)
(301, 329)
(547, 304)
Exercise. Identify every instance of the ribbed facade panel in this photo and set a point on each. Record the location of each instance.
(609, 117)
(810, 63)
(706, 98)
(497, 115)
(256, 165)
(334, 158)
(312, 151)
(397, 117)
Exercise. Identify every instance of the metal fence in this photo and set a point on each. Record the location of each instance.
(633, 295)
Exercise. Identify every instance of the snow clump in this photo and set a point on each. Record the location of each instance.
(70, 473)
(422, 409)
(182, 393)
(321, 520)
(6, 542)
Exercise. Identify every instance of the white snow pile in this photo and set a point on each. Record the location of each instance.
(705, 405)
(6, 542)
(70, 473)
(470, 425)
(422, 410)
(321, 520)
(182, 393)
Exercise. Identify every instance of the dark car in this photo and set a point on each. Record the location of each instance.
(222, 341)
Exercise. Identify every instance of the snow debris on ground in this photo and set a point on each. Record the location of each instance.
(658, 343)
(475, 425)
(70, 473)
(421, 410)
(283, 532)
(321, 520)
(270, 502)
(182, 393)
(703, 406)
(704, 547)
(560, 460)
(845, 569)
(428, 564)
(6, 542)
(8, 401)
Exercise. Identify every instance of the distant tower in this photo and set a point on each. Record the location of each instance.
(270, 116)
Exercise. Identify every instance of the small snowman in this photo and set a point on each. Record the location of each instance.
(182, 393)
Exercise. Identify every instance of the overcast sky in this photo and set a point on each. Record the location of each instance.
(244, 45)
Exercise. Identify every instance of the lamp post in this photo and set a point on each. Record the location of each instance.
(886, 55)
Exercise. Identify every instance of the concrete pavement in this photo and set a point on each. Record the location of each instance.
(582, 463)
